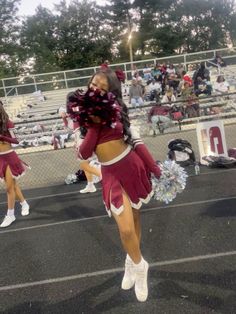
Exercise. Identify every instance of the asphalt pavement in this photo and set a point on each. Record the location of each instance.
(66, 256)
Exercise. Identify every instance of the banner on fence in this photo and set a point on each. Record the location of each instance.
(211, 139)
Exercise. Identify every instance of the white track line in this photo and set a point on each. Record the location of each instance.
(106, 216)
(99, 189)
(114, 270)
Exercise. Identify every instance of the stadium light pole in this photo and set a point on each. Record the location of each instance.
(130, 29)
(130, 48)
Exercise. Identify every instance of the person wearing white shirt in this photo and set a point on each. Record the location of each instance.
(169, 98)
(221, 86)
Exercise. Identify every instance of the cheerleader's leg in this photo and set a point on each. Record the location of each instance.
(126, 226)
(84, 165)
(136, 268)
(137, 223)
(10, 189)
(18, 193)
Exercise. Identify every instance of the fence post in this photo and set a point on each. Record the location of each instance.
(185, 62)
(125, 68)
(4, 88)
(35, 84)
(65, 78)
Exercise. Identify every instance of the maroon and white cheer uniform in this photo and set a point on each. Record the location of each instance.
(10, 158)
(129, 172)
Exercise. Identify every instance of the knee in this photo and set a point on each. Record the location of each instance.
(10, 189)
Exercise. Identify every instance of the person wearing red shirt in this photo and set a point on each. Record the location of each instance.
(159, 117)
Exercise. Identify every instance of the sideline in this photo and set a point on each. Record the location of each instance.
(115, 270)
(106, 216)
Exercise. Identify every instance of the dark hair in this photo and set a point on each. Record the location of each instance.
(3, 119)
(220, 77)
(115, 88)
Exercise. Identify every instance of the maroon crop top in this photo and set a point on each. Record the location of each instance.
(98, 134)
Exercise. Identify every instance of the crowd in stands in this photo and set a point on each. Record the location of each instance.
(160, 84)
(166, 83)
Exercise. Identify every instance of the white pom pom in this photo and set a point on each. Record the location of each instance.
(172, 181)
(70, 179)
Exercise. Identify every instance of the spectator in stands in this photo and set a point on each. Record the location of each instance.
(11, 168)
(170, 69)
(135, 94)
(156, 72)
(203, 86)
(153, 90)
(105, 65)
(186, 90)
(169, 97)
(159, 117)
(135, 72)
(201, 72)
(192, 108)
(173, 82)
(221, 86)
(147, 73)
(186, 78)
(143, 86)
(218, 61)
(179, 70)
(163, 69)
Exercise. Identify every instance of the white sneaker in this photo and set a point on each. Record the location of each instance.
(25, 209)
(141, 287)
(129, 276)
(88, 189)
(7, 221)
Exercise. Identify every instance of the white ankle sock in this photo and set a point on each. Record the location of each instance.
(11, 212)
(140, 263)
(23, 203)
(129, 258)
(90, 184)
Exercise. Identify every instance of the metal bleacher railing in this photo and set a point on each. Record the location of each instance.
(79, 77)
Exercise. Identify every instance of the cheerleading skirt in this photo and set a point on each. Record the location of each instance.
(10, 159)
(125, 174)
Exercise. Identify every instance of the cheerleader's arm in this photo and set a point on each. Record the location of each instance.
(12, 139)
(141, 150)
(88, 145)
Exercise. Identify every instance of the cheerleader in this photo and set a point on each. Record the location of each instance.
(126, 167)
(11, 168)
(93, 174)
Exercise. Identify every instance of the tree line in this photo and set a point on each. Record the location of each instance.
(83, 33)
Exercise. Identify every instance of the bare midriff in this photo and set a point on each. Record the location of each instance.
(110, 150)
(4, 147)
